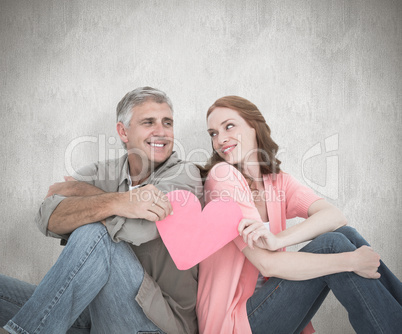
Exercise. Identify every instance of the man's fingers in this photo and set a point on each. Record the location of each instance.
(159, 204)
(150, 203)
(162, 198)
(167, 209)
(153, 217)
(155, 213)
(164, 203)
(155, 196)
(158, 211)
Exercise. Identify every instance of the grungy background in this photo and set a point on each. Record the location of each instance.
(326, 74)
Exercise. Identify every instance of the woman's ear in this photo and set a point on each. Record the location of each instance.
(122, 131)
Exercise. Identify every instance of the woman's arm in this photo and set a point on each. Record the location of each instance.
(292, 265)
(300, 266)
(323, 217)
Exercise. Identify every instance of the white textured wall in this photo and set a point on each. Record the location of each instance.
(317, 69)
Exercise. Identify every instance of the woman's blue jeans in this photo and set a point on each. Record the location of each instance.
(91, 287)
(373, 305)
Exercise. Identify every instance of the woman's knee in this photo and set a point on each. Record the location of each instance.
(348, 231)
(331, 242)
(354, 236)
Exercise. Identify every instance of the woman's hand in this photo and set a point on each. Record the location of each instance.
(254, 233)
(365, 262)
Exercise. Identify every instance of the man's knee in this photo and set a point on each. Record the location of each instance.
(88, 232)
(89, 241)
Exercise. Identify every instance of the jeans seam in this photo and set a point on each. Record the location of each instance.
(12, 301)
(365, 303)
(265, 299)
(60, 292)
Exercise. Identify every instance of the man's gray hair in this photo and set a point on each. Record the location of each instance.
(136, 97)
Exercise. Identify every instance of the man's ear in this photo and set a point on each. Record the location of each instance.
(121, 130)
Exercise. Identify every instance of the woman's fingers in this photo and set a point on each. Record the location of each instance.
(252, 233)
(253, 237)
(255, 233)
(366, 262)
(248, 225)
(243, 224)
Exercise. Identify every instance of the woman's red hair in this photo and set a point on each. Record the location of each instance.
(267, 148)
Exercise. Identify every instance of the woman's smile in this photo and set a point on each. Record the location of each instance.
(231, 136)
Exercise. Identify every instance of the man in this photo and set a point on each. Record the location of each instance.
(114, 287)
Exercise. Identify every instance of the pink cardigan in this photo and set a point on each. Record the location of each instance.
(227, 279)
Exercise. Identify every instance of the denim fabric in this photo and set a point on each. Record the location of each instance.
(373, 305)
(91, 287)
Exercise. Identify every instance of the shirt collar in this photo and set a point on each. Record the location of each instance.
(125, 169)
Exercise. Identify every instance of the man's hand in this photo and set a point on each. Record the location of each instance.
(147, 202)
(366, 262)
(254, 233)
(66, 189)
(70, 188)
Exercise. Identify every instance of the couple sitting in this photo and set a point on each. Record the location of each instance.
(115, 275)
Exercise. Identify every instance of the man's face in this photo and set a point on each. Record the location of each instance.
(150, 135)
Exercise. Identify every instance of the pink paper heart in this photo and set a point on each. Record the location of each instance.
(191, 235)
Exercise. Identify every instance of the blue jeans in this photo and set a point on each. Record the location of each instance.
(91, 287)
(373, 305)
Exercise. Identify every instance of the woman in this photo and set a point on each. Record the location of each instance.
(244, 166)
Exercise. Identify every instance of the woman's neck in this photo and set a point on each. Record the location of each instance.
(252, 169)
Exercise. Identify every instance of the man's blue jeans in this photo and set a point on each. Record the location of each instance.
(373, 306)
(91, 287)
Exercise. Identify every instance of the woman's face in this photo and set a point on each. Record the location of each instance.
(233, 139)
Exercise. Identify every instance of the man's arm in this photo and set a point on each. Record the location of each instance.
(183, 176)
(73, 212)
(131, 220)
(69, 205)
(73, 187)
(60, 191)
